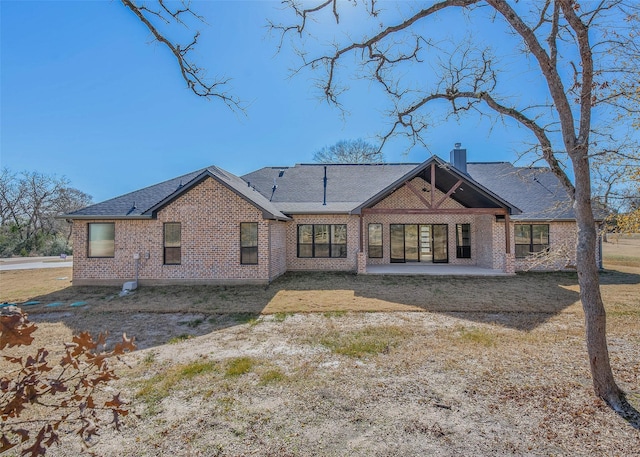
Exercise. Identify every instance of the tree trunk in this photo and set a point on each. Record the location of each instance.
(589, 281)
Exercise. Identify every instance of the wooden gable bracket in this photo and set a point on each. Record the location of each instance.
(413, 189)
(432, 204)
(433, 182)
(448, 194)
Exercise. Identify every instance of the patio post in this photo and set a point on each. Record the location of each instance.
(509, 257)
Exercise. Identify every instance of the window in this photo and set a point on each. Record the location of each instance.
(463, 241)
(102, 239)
(375, 241)
(249, 243)
(172, 243)
(531, 238)
(322, 240)
(339, 240)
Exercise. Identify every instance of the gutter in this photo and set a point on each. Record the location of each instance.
(101, 217)
(517, 219)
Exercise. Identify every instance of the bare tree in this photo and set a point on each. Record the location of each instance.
(161, 18)
(555, 37)
(614, 174)
(349, 151)
(29, 204)
(614, 177)
(629, 221)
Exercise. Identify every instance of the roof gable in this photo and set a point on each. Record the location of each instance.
(230, 181)
(449, 181)
(145, 203)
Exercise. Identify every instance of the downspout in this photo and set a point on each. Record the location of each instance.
(73, 265)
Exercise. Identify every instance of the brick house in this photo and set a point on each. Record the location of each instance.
(213, 227)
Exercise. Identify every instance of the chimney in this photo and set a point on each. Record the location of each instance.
(459, 158)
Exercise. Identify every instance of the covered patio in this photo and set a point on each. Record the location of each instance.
(431, 269)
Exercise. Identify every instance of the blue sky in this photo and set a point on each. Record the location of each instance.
(86, 94)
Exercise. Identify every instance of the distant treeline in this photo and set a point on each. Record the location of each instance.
(29, 204)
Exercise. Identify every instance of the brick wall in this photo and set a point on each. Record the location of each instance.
(485, 232)
(210, 215)
(499, 244)
(404, 197)
(562, 250)
(278, 249)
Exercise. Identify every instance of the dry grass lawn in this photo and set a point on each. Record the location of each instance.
(305, 367)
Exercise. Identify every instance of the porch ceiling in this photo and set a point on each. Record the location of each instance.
(467, 194)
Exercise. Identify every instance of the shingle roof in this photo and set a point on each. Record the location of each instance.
(143, 203)
(300, 190)
(535, 190)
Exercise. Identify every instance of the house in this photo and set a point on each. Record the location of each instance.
(213, 227)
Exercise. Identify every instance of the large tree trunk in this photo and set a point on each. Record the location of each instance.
(589, 281)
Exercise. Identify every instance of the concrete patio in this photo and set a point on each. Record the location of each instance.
(431, 269)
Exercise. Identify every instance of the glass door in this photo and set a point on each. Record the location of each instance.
(411, 252)
(419, 243)
(440, 243)
(426, 254)
(397, 242)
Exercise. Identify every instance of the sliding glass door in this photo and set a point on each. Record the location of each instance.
(397, 243)
(419, 243)
(440, 242)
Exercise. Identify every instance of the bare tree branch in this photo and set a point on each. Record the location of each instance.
(193, 75)
(560, 32)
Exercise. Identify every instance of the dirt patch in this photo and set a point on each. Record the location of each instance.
(440, 386)
(154, 315)
(453, 366)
